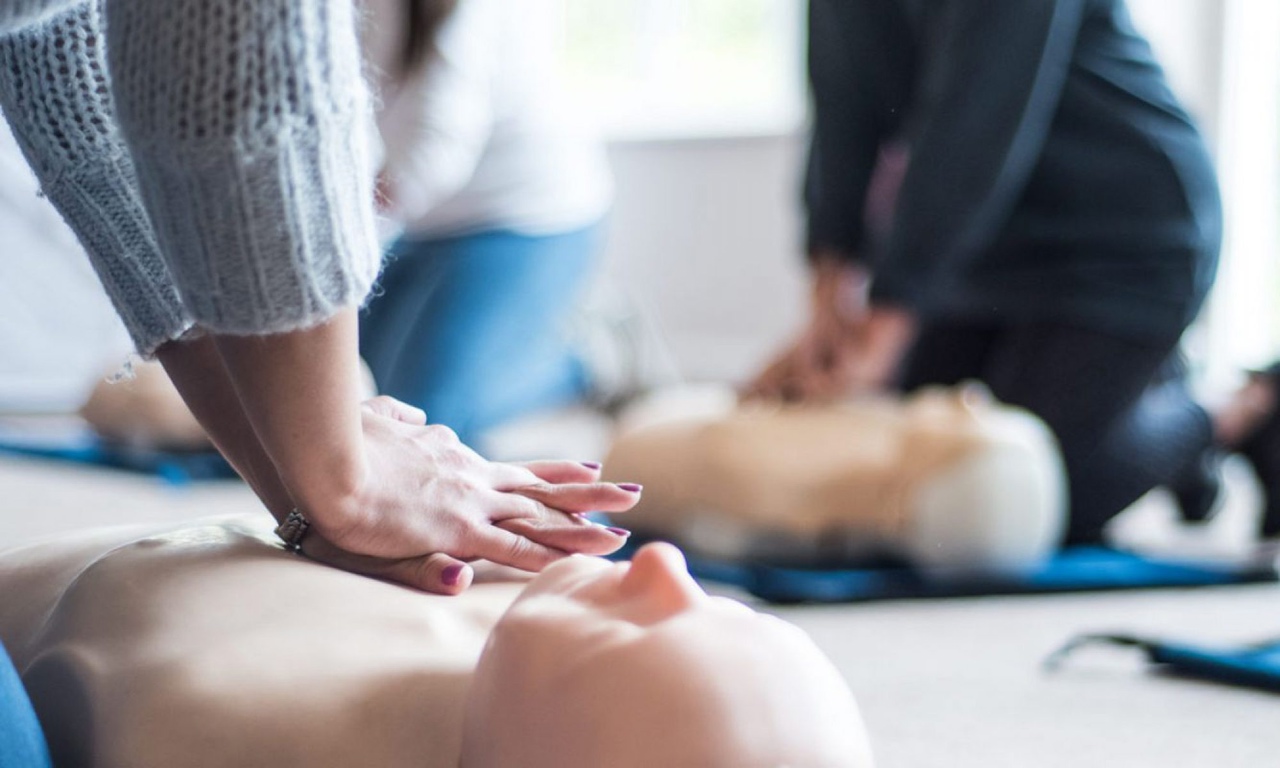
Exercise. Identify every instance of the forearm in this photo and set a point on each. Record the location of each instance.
(300, 393)
(282, 409)
(197, 370)
(839, 285)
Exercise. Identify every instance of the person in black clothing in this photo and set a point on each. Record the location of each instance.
(1055, 231)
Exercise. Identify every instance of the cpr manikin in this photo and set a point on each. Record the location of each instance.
(945, 480)
(142, 409)
(635, 666)
(207, 645)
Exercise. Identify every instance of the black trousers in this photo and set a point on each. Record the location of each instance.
(1120, 407)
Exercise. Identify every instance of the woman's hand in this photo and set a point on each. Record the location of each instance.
(818, 364)
(426, 492)
(849, 346)
(521, 515)
(446, 575)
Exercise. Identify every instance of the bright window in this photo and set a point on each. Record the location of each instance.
(687, 68)
(1242, 326)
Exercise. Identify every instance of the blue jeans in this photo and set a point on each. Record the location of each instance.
(21, 742)
(471, 328)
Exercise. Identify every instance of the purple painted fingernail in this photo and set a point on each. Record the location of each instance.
(631, 487)
(452, 574)
(623, 532)
(590, 464)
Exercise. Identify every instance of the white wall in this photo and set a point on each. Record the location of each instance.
(1243, 322)
(1187, 37)
(707, 231)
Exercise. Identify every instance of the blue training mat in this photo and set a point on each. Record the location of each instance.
(1251, 666)
(83, 447)
(1075, 569)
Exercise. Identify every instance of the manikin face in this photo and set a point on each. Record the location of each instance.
(632, 664)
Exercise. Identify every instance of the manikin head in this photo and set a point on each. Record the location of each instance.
(632, 664)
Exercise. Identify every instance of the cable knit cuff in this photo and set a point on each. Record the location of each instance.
(266, 240)
(57, 103)
(100, 203)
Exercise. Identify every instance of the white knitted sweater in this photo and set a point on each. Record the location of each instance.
(220, 176)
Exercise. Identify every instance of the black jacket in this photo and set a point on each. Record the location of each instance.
(1052, 175)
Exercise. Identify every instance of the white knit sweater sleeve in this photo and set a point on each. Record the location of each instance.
(249, 126)
(246, 125)
(53, 87)
(15, 14)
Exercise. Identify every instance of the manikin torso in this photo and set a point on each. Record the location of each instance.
(205, 644)
(144, 410)
(209, 646)
(945, 479)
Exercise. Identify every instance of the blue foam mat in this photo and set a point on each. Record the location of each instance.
(175, 468)
(1075, 569)
(1252, 666)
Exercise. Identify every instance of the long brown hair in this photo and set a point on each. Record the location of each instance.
(422, 21)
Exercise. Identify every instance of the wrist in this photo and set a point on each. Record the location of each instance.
(840, 292)
(329, 491)
(301, 393)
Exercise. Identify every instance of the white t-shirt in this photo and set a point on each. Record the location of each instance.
(481, 136)
(58, 332)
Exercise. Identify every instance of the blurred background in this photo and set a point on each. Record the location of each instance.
(703, 110)
(703, 107)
